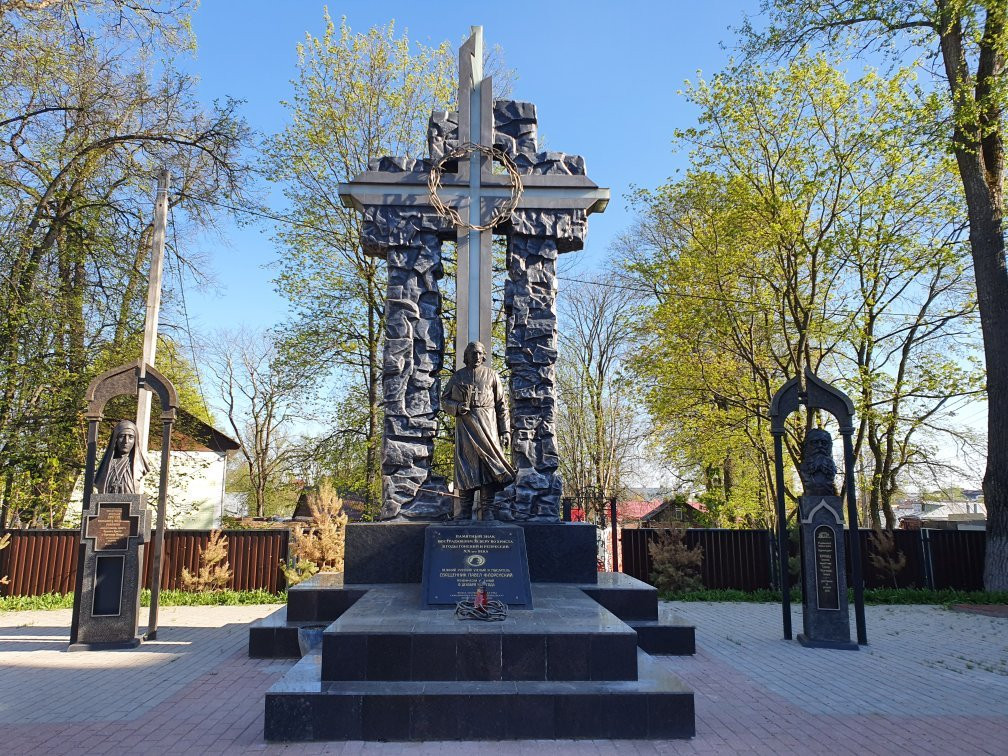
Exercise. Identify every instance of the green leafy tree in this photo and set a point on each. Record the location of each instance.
(356, 98)
(964, 43)
(804, 234)
(84, 128)
(675, 566)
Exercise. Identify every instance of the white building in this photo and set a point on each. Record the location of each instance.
(197, 469)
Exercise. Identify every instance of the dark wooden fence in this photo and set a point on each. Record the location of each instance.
(746, 559)
(45, 561)
(956, 557)
(732, 558)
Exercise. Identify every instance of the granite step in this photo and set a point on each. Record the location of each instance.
(322, 598)
(273, 637)
(387, 636)
(300, 707)
(670, 634)
(626, 597)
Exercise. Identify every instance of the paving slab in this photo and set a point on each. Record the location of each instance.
(930, 681)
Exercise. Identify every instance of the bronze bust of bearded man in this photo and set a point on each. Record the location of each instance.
(475, 397)
(123, 464)
(818, 470)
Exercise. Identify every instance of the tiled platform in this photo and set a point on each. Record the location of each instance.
(930, 681)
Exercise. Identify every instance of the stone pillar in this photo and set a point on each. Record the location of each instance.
(412, 359)
(824, 609)
(535, 239)
(114, 529)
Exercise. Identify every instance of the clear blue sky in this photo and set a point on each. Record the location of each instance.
(604, 76)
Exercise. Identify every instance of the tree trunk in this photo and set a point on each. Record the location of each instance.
(987, 242)
(887, 495)
(260, 495)
(5, 509)
(988, 247)
(979, 159)
(729, 476)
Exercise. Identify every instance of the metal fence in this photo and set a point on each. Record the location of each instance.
(732, 558)
(45, 561)
(746, 559)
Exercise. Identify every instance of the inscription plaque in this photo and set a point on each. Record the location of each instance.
(112, 527)
(458, 558)
(827, 588)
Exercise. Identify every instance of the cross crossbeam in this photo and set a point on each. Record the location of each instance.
(475, 191)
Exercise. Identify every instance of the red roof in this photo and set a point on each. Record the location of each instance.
(635, 509)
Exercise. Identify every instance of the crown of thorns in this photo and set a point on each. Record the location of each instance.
(463, 151)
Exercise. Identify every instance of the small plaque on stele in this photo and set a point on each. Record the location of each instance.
(112, 527)
(460, 557)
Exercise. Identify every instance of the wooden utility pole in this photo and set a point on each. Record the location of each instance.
(144, 399)
(153, 301)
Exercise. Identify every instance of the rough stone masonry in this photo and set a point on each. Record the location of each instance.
(401, 225)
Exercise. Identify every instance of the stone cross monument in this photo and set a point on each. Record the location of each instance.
(410, 206)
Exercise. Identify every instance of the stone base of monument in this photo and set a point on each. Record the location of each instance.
(824, 609)
(570, 668)
(392, 552)
(324, 598)
(301, 708)
(393, 668)
(107, 602)
(814, 643)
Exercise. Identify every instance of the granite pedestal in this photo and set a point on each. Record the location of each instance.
(825, 618)
(392, 552)
(114, 530)
(390, 668)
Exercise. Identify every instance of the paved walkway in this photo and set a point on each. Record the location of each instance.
(931, 681)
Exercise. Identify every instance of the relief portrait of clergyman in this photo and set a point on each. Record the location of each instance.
(123, 464)
(818, 470)
(476, 399)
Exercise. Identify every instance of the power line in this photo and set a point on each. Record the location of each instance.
(185, 311)
(757, 306)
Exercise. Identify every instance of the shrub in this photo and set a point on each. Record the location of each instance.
(214, 573)
(318, 547)
(675, 567)
(884, 556)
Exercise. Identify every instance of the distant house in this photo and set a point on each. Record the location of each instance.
(197, 469)
(649, 513)
(196, 472)
(673, 512)
(630, 514)
(968, 513)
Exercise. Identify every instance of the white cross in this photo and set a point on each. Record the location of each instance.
(474, 190)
